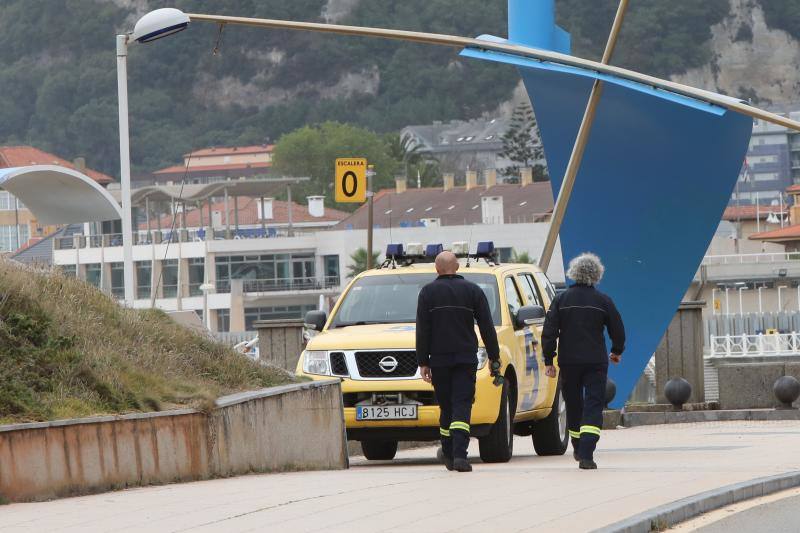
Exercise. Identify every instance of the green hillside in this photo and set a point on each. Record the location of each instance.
(58, 80)
(68, 350)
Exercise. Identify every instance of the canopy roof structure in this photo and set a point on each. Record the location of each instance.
(59, 195)
(200, 193)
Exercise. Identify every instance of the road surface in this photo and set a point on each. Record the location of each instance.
(640, 468)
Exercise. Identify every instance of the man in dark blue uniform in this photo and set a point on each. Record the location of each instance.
(574, 327)
(447, 348)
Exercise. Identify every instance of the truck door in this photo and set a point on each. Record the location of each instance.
(535, 361)
(524, 361)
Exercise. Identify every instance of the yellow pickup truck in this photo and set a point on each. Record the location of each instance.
(368, 341)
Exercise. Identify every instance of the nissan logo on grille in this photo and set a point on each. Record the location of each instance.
(388, 364)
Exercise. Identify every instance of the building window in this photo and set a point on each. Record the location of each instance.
(765, 176)
(266, 272)
(504, 254)
(332, 271)
(169, 278)
(69, 270)
(143, 276)
(287, 312)
(7, 202)
(117, 280)
(93, 274)
(223, 320)
(196, 275)
(10, 240)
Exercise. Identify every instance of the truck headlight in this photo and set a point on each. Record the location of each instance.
(315, 362)
(483, 356)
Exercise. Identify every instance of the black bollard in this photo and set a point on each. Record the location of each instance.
(787, 390)
(677, 392)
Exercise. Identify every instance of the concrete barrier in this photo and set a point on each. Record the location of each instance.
(293, 427)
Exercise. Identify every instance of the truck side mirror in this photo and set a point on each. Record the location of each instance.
(316, 320)
(528, 315)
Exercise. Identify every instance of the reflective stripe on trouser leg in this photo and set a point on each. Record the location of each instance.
(592, 430)
(463, 426)
(574, 434)
(444, 432)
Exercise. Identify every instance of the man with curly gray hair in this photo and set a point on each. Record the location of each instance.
(574, 327)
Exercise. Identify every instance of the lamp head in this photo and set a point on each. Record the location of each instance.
(160, 23)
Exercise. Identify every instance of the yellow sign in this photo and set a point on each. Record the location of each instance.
(351, 180)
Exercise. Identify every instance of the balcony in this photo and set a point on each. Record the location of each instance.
(251, 286)
(167, 236)
(750, 267)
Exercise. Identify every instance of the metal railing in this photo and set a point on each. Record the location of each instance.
(192, 235)
(276, 285)
(754, 345)
(749, 259)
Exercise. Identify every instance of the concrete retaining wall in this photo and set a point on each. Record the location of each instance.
(284, 428)
(749, 385)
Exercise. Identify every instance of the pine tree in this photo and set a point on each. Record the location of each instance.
(522, 145)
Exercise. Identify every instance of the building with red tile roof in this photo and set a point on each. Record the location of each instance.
(23, 156)
(217, 164)
(250, 214)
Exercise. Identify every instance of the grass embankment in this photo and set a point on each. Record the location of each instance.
(67, 350)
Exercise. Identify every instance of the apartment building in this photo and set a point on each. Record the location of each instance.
(215, 164)
(277, 260)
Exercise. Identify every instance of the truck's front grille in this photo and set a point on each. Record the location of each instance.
(386, 364)
(338, 364)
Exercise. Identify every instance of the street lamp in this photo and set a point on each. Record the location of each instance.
(727, 302)
(154, 25)
(780, 301)
(206, 288)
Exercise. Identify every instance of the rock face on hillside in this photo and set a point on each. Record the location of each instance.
(751, 60)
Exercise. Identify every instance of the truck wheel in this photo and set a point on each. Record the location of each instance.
(498, 445)
(550, 435)
(379, 450)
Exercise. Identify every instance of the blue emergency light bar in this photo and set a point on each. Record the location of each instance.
(394, 251)
(485, 249)
(432, 250)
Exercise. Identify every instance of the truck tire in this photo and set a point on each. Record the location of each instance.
(379, 450)
(498, 445)
(550, 435)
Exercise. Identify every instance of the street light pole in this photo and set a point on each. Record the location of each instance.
(741, 309)
(125, 167)
(370, 216)
(713, 301)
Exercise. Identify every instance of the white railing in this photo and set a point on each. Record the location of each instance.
(747, 345)
(749, 259)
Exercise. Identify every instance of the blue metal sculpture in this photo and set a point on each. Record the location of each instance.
(657, 174)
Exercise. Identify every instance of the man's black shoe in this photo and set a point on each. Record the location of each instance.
(575, 456)
(448, 463)
(587, 464)
(461, 465)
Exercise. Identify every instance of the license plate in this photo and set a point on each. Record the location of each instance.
(386, 412)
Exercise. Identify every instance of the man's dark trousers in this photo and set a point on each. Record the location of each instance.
(584, 389)
(455, 391)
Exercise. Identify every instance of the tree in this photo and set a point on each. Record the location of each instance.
(522, 258)
(312, 150)
(415, 163)
(359, 262)
(522, 145)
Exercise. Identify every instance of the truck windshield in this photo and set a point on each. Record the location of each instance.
(391, 299)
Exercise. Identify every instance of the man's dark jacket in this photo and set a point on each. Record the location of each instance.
(574, 325)
(447, 309)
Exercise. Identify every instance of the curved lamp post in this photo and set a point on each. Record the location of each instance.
(154, 25)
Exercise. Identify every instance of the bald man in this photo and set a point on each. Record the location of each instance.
(447, 348)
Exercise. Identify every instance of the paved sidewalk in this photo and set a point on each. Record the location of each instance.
(640, 468)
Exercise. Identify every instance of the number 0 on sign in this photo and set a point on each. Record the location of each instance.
(351, 180)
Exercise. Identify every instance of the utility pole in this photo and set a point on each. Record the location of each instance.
(370, 195)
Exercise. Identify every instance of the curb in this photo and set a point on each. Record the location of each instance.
(660, 518)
